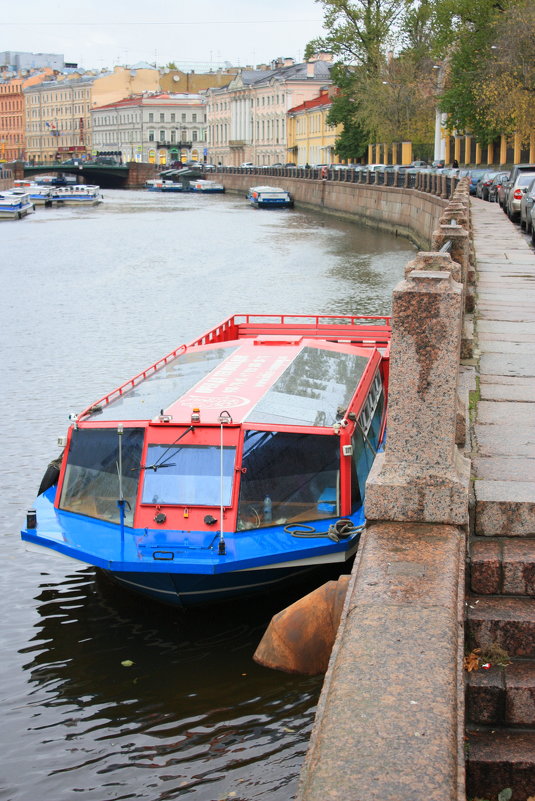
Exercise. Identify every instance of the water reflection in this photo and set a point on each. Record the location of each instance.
(192, 711)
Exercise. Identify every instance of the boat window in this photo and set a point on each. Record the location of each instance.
(164, 387)
(313, 390)
(363, 458)
(91, 483)
(188, 475)
(288, 478)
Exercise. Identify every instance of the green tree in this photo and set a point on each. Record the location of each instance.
(352, 143)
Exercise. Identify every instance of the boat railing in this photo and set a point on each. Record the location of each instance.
(369, 330)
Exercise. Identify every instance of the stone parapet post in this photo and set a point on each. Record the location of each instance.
(422, 476)
(459, 239)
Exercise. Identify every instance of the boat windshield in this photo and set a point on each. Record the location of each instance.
(188, 475)
(312, 389)
(288, 478)
(91, 483)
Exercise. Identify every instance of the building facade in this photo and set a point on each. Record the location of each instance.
(58, 118)
(311, 139)
(158, 128)
(247, 119)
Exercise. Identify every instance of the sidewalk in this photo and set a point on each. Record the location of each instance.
(504, 462)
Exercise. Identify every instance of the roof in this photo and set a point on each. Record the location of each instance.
(269, 379)
(317, 102)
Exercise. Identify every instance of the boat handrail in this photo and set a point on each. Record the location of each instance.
(376, 328)
(132, 382)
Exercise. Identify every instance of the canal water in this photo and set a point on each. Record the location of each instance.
(105, 696)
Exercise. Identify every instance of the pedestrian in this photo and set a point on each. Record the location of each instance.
(455, 164)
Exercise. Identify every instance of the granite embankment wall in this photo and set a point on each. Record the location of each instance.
(407, 212)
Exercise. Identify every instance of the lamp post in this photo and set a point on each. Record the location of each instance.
(440, 117)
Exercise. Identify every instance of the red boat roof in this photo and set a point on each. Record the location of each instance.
(259, 370)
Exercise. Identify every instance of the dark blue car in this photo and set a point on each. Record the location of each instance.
(475, 175)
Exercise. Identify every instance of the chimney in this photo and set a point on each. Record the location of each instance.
(310, 69)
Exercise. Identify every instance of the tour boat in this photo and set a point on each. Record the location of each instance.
(269, 197)
(209, 187)
(77, 195)
(234, 465)
(158, 185)
(14, 204)
(40, 195)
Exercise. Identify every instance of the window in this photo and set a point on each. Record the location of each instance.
(162, 117)
(151, 136)
(173, 135)
(194, 136)
(189, 475)
(151, 117)
(194, 118)
(162, 136)
(173, 117)
(91, 484)
(183, 118)
(288, 477)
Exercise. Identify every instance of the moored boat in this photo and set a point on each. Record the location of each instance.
(14, 204)
(233, 465)
(40, 195)
(204, 185)
(77, 195)
(159, 185)
(269, 197)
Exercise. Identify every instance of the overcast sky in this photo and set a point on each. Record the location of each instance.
(194, 35)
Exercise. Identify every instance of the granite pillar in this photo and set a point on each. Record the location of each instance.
(422, 476)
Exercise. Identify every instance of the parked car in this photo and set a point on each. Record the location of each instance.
(418, 163)
(247, 164)
(532, 223)
(208, 167)
(526, 204)
(290, 164)
(483, 185)
(515, 192)
(517, 169)
(497, 181)
(475, 175)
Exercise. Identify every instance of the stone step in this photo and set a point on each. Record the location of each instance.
(506, 622)
(498, 759)
(502, 696)
(502, 566)
(504, 508)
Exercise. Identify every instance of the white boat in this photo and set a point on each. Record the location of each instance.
(203, 185)
(159, 185)
(79, 195)
(14, 204)
(40, 195)
(269, 197)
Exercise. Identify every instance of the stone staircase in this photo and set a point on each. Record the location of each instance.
(500, 611)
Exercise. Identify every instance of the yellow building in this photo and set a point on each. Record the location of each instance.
(310, 139)
(124, 82)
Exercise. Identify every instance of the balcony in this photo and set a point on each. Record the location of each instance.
(237, 142)
(174, 145)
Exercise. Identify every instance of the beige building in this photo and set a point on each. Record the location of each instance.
(176, 81)
(247, 119)
(58, 111)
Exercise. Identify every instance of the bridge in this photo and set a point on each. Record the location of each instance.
(109, 176)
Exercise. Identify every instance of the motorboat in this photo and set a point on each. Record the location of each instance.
(40, 195)
(233, 465)
(206, 186)
(269, 197)
(77, 195)
(15, 204)
(159, 185)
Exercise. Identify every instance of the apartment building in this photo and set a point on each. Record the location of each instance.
(157, 128)
(58, 113)
(247, 119)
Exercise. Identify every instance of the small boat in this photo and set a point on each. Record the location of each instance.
(232, 466)
(204, 185)
(159, 185)
(269, 197)
(40, 195)
(77, 195)
(56, 180)
(15, 204)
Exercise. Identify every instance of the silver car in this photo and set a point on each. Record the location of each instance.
(515, 194)
(526, 204)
